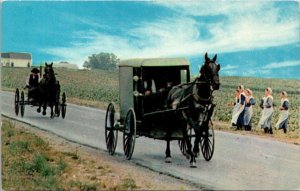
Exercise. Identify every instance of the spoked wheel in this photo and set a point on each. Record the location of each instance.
(22, 104)
(63, 105)
(207, 142)
(17, 102)
(129, 133)
(111, 134)
(182, 143)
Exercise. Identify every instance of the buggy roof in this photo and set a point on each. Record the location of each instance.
(155, 62)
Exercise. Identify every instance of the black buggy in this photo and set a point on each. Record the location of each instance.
(32, 98)
(153, 119)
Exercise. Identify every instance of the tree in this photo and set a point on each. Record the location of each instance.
(104, 61)
(86, 64)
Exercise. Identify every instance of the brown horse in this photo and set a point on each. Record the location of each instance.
(197, 97)
(49, 90)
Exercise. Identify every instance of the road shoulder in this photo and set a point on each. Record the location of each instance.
(117, 171)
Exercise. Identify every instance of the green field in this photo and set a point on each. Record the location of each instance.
(102, 86)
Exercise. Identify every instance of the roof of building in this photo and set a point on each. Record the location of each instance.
(140, 62)
(65, 64)
(16, 55)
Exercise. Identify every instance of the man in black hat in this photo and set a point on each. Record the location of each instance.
(33, 83)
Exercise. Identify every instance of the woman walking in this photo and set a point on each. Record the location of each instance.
(248, 110)
(235, 105)
(265, 121)
(238, 113)
(284, 112)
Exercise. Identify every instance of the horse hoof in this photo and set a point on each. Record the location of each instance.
(187, 156)
(193, 165)
(38, 110)
(168, 160)
(44, 112)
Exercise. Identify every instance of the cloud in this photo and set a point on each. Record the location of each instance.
(71, 18)
(163, 38)
(230, 73)
(189, 31)
(229, 67)
(241, 25)
(282, 64)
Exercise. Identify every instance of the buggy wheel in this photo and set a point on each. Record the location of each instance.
(207, 142)
(129, 133)
(17, 102)
(111, 134)
(63, 105)
(182, 143)
(22, 104)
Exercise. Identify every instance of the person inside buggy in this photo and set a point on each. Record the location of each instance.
(32, 83)
(157, 84)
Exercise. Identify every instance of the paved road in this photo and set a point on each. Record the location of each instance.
(239, 162)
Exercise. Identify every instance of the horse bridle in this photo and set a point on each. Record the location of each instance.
(208, 80)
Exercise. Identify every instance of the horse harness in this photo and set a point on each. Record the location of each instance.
(198, 102)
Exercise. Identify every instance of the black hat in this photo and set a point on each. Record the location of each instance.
(35, 71)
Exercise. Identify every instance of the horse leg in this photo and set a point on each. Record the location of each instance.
(197, 138)
(39, 105)
(196, 149)
(39, 108)
(189, 146)
(189, 149)
(200, 130)
(44, 108)
(168, 158)
(52, 113)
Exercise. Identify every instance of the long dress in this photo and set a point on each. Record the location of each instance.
(284, 115)
(234, 110)
(248, 112)
(238, 113)
(265, 121)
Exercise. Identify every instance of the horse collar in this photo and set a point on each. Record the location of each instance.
(197, 97)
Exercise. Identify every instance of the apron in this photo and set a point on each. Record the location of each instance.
(248, 114)
(265, 120)
(283, 116)
(237, 111)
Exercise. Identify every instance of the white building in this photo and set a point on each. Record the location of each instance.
(16, 59)
(65, 64)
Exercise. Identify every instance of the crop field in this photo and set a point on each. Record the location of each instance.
(102, 86)
(226, 94)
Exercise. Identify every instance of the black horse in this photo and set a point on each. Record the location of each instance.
(197, 97)
(49, 90)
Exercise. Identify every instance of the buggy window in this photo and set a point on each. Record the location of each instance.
(162, 75)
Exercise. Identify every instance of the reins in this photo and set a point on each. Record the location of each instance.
(196, 97)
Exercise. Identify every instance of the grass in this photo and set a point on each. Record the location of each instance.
(30, 163)
(128, 183)
(83, 186)
(26, 161)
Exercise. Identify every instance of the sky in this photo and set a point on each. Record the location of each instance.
(251, 38)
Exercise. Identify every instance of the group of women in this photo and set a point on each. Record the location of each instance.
(243, 110)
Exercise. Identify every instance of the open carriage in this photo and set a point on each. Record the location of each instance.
(32, 97)
(148, 115)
